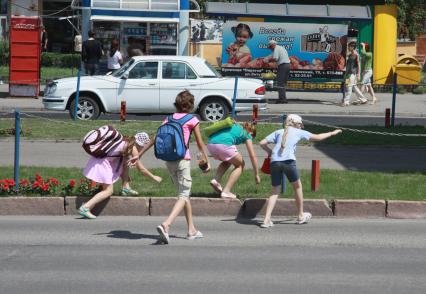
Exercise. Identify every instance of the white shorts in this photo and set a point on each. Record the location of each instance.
(366, 77)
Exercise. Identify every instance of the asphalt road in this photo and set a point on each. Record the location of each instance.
(55, 255)
(71, 154)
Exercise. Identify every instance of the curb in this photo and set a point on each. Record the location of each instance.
(31, 205)
(250, 208)
(360, 208)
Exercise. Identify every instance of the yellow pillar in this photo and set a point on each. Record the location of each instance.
(385, 34)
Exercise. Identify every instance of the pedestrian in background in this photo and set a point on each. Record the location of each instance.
(353, 75)
(367, 71)
(280, 56)
(44, 39)
(115, 59)
(283, 162)
(91, 53)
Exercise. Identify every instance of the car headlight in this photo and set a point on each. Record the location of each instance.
(50, 89)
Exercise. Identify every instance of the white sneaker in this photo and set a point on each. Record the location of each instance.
(305, 219)
(267, 225)
(164, 236)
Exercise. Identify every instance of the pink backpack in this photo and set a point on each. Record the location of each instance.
(99, 142)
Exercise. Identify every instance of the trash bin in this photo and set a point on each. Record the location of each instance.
(408, 70)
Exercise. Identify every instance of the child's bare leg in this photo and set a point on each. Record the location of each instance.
(371, 91)
(238, 163)
(221, 170)
(107, 190)
(298, 196)
(125, 178)
(177, 208)
(188, 215)
(271, 204)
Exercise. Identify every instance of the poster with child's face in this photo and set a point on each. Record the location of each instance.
(316, 51)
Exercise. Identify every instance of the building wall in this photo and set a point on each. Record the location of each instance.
(25, 7)
(406, 48)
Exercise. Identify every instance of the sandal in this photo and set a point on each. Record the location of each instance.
(164, 236)
(374, 101)
(304, 220)
(267, 225)
(197, 235)
(228, 195)
(216, 186)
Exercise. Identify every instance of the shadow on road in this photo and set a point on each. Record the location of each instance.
(119, 234)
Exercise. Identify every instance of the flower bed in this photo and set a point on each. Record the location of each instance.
(38, 185)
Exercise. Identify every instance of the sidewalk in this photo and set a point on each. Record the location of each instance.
(407, 105)
(370, 158)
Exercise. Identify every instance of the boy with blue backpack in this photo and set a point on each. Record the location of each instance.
(171, 145)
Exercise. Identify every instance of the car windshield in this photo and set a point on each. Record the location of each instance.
(215, 73)
(123, 69)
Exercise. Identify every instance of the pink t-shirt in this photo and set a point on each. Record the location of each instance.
(187, 129)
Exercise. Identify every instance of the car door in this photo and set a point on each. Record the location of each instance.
(176, 76)
(140, 88)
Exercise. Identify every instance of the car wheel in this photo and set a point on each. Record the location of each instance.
(88, 108)
(214, 110)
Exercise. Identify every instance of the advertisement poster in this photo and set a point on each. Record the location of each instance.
(317, 52)
(206, 30)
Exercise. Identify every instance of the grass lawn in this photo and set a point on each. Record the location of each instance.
(35, 128)
(46, 73)
(334, 184)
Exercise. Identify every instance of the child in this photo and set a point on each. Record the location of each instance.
(222, 146)
(180, 170)
(367, 71)
(353, 75)
(283, 162)
(107, 170)
(239, 53)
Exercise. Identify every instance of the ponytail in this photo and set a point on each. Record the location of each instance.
(284, 139)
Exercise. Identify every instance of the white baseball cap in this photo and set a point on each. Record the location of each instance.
(142, 139)
(272, 42)
(295, 118)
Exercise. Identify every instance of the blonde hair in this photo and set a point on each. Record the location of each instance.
(131, 141)
(289, 122)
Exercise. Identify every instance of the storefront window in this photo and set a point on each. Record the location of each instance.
(163, 38)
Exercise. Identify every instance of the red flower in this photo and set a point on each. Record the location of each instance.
(53, 181)
(45, 187)
(72, 183)
(24, 182)
(38, 177)
(11, 182)
(92, 184)
(5, 187)
(36, 184)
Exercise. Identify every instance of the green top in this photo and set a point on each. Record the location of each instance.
(234, 135)
(366, 59)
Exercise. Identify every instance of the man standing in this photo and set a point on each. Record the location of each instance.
(91, 53)
(43, 38)
(280, 56)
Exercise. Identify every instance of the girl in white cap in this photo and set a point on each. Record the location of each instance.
(283, 162)
(106, 171)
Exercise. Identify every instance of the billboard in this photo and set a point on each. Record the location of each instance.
(206, 30)
(317, 52)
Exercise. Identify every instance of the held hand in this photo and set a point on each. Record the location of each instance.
(257, 179)
(158, 179)
(207, 169)
(132, 161)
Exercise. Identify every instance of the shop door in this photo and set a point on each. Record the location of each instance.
(24, 70)
(176, 77)
(141, 90)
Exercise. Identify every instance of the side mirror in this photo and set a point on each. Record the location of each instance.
(125, 76)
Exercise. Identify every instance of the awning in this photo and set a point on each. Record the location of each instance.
(133, 19)
(288, 10)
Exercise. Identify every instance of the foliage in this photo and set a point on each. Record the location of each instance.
(60, 60)
(4, 52)
(420, 90)
(411, 13)
(38, 185)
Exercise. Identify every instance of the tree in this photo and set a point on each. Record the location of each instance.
(411, 14)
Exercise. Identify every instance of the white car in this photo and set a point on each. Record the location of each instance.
(149, 84)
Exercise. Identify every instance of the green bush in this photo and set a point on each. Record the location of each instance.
(4, 52)
(60, 60)
(420, 90)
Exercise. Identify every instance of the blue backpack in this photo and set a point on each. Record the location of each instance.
(169, 144)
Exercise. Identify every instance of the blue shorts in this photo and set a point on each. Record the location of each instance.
(281, 168)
